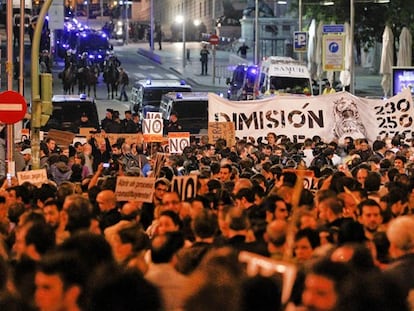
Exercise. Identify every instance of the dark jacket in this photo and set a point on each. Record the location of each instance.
(98, 156)
(401, 271)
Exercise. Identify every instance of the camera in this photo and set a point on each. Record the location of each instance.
(106, 165)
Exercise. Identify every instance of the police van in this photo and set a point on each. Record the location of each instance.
(242, 82)
(146, 94)
(284, 75)
(191, 107)
(67, 112)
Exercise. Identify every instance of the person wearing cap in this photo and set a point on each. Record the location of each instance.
(27, 156)
(116, 125)
(137, 123)
(84, 121)
(173, 124)
(108, 120)
(128, 124)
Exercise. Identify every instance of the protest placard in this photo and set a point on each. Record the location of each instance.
(129, 188)
(35, 177)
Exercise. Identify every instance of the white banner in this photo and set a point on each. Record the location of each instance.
(332, 117)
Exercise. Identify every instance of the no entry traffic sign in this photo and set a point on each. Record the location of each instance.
(12, 107)
(214, 39)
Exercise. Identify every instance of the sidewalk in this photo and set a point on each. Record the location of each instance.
(171, 58)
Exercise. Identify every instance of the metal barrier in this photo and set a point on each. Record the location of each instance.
(223, 72)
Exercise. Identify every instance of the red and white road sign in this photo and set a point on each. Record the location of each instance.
(13, 107)
(214, 39)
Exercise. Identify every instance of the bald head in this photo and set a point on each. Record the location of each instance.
(106, 200)
(276, 232)
(401, 236)
(242, 183)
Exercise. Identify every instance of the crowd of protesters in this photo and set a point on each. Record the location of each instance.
(341, 213)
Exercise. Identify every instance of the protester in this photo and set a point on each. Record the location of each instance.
(339, 220)
(328, 89)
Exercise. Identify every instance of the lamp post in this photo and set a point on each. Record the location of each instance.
(197, 24)
(152, 30)
(36, 100)
(256, 33)
(300, 26)
(351, 39)
(126, 22)
(180, 19)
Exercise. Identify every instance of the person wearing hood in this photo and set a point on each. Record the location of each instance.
(60, 170)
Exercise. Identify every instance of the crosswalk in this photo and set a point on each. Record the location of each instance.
(154, 75)
(143, 72)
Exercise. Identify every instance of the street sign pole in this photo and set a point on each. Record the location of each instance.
(214, 40)
(36, 101)
(214, 64)
(9, 72)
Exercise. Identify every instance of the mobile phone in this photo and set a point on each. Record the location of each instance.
(106, 165)
(9, 180)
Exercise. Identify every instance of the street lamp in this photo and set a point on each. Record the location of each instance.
(180, 19)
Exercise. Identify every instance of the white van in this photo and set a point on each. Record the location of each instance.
(284, 75)
(146, 94)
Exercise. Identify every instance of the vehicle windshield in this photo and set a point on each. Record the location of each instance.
(197, 108)
(155, 94)
(95, 42)
(238, 75)
(290, 85)
(66, 116)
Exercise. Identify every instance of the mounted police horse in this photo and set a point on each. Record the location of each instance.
(68, 76)
(91, 76)
(82, 79)
(111, 76)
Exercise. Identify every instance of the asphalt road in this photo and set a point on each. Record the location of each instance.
(137, 66)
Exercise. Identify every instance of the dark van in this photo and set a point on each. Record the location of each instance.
(95, 43)
(192, 109)
(67, 112)
(146, 94)
(241, 84)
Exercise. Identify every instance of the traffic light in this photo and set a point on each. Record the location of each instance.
(46, 93)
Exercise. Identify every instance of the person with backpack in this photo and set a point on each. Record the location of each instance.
(130, 163)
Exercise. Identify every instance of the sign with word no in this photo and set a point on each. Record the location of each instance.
(177, 141)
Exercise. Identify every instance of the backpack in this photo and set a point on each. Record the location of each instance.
(131, 164)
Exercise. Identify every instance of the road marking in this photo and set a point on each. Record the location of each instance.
(156, 76)
(146, 67)
(171, 76)
(139, 75)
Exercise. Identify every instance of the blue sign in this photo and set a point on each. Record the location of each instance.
(300, 41)
(333, 47)
(333, 28)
